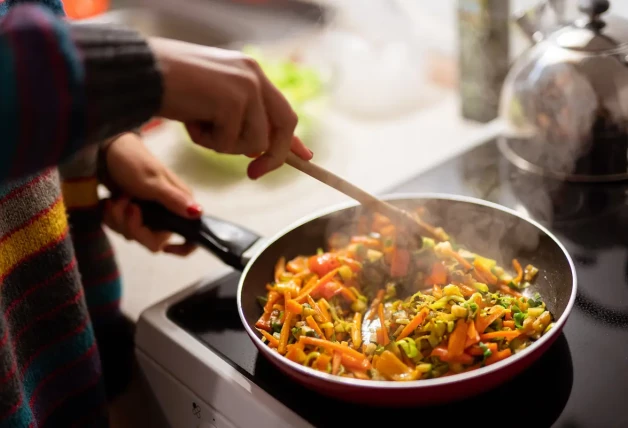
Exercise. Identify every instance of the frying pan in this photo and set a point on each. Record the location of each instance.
(486, 228)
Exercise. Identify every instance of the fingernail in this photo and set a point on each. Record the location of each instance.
(311, 152)
(195, 210)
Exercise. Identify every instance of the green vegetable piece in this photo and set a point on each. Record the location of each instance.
(519, 317)
(483, 288)
(408, 346)
(485, 351)
(428, 243)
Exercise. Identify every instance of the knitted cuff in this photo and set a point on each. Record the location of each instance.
(123, 84)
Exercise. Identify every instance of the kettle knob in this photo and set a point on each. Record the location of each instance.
(593, 8)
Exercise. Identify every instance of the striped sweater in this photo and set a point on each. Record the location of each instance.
(61, 86)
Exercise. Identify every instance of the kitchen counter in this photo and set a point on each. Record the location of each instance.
(374, 155)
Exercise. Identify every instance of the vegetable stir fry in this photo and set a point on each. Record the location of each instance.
(343, 312)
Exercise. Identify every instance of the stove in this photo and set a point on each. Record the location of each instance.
(204, 371)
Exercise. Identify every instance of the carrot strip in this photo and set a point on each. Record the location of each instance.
(508, 335)
(477, 351)
(312, 324)
(294, 307)
(472, 335)
(335, 364)
(264, 322)
(506, 289)
(356, 330)
(380, 312)
(466, 290)
(285, 333)
(307, 289)
(457, 339)
(484, 321)
(479, 267)
(326, 278)
(414, 324)
(317, 309)
(517, 266)
(324, 308)
(322, 362)
(347, 294)
(331, 346)
(498, 356)
(272, 340)
(444, 355)
(388, 230)
(373, 309)
(461, 260)
(273, 297)
(280, 268)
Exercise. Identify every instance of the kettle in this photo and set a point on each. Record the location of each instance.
(564, 102)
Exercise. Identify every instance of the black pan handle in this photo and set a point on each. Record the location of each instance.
(225, 240)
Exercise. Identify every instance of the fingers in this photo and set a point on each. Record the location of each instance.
(182, 250)
(175, 198)
(298, 148)
(153, 241)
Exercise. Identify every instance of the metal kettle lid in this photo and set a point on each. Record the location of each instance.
(595, 31)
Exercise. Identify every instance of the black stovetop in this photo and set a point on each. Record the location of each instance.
(582, 381)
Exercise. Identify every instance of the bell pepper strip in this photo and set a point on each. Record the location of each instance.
(280, 268)
(508, 335)
(385, 337)
(296, 354)
(517, 266)
(400, 263)
(297, 265)
(323, 264)
(438, 275)
(457, 339)
(376, 301)
(414, 324)
(392, 368)
(498, 356)
(509, 324)
(466, 290)
(322, 362)
(354, 364)
(331, 346)
(442, 353)
(263, 323)
(335, 364)
(356, 330)
(294, 307)
(482, 322)
(477, 351)
(273, 297)
(314, 326)
(472, 335)
(272, 340)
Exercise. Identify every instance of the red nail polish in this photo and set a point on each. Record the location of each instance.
(195, 210)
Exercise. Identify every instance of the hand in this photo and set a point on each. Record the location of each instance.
(136, 173)
(227, 104)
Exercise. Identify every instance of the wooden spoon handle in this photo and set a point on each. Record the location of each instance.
(343, 186)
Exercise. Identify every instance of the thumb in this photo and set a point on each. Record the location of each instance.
(176, 200)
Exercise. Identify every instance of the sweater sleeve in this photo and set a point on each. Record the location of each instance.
(64, 86)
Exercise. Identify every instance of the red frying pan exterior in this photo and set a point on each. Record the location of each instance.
(558, 288)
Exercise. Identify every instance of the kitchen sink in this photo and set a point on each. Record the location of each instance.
(225, 23)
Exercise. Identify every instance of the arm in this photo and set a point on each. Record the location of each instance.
(65, 86)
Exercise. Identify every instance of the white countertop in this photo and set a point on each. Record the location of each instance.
(373, 154)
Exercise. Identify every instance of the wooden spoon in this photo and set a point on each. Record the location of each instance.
(343, 186)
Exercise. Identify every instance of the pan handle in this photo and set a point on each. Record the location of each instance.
(225, 240)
